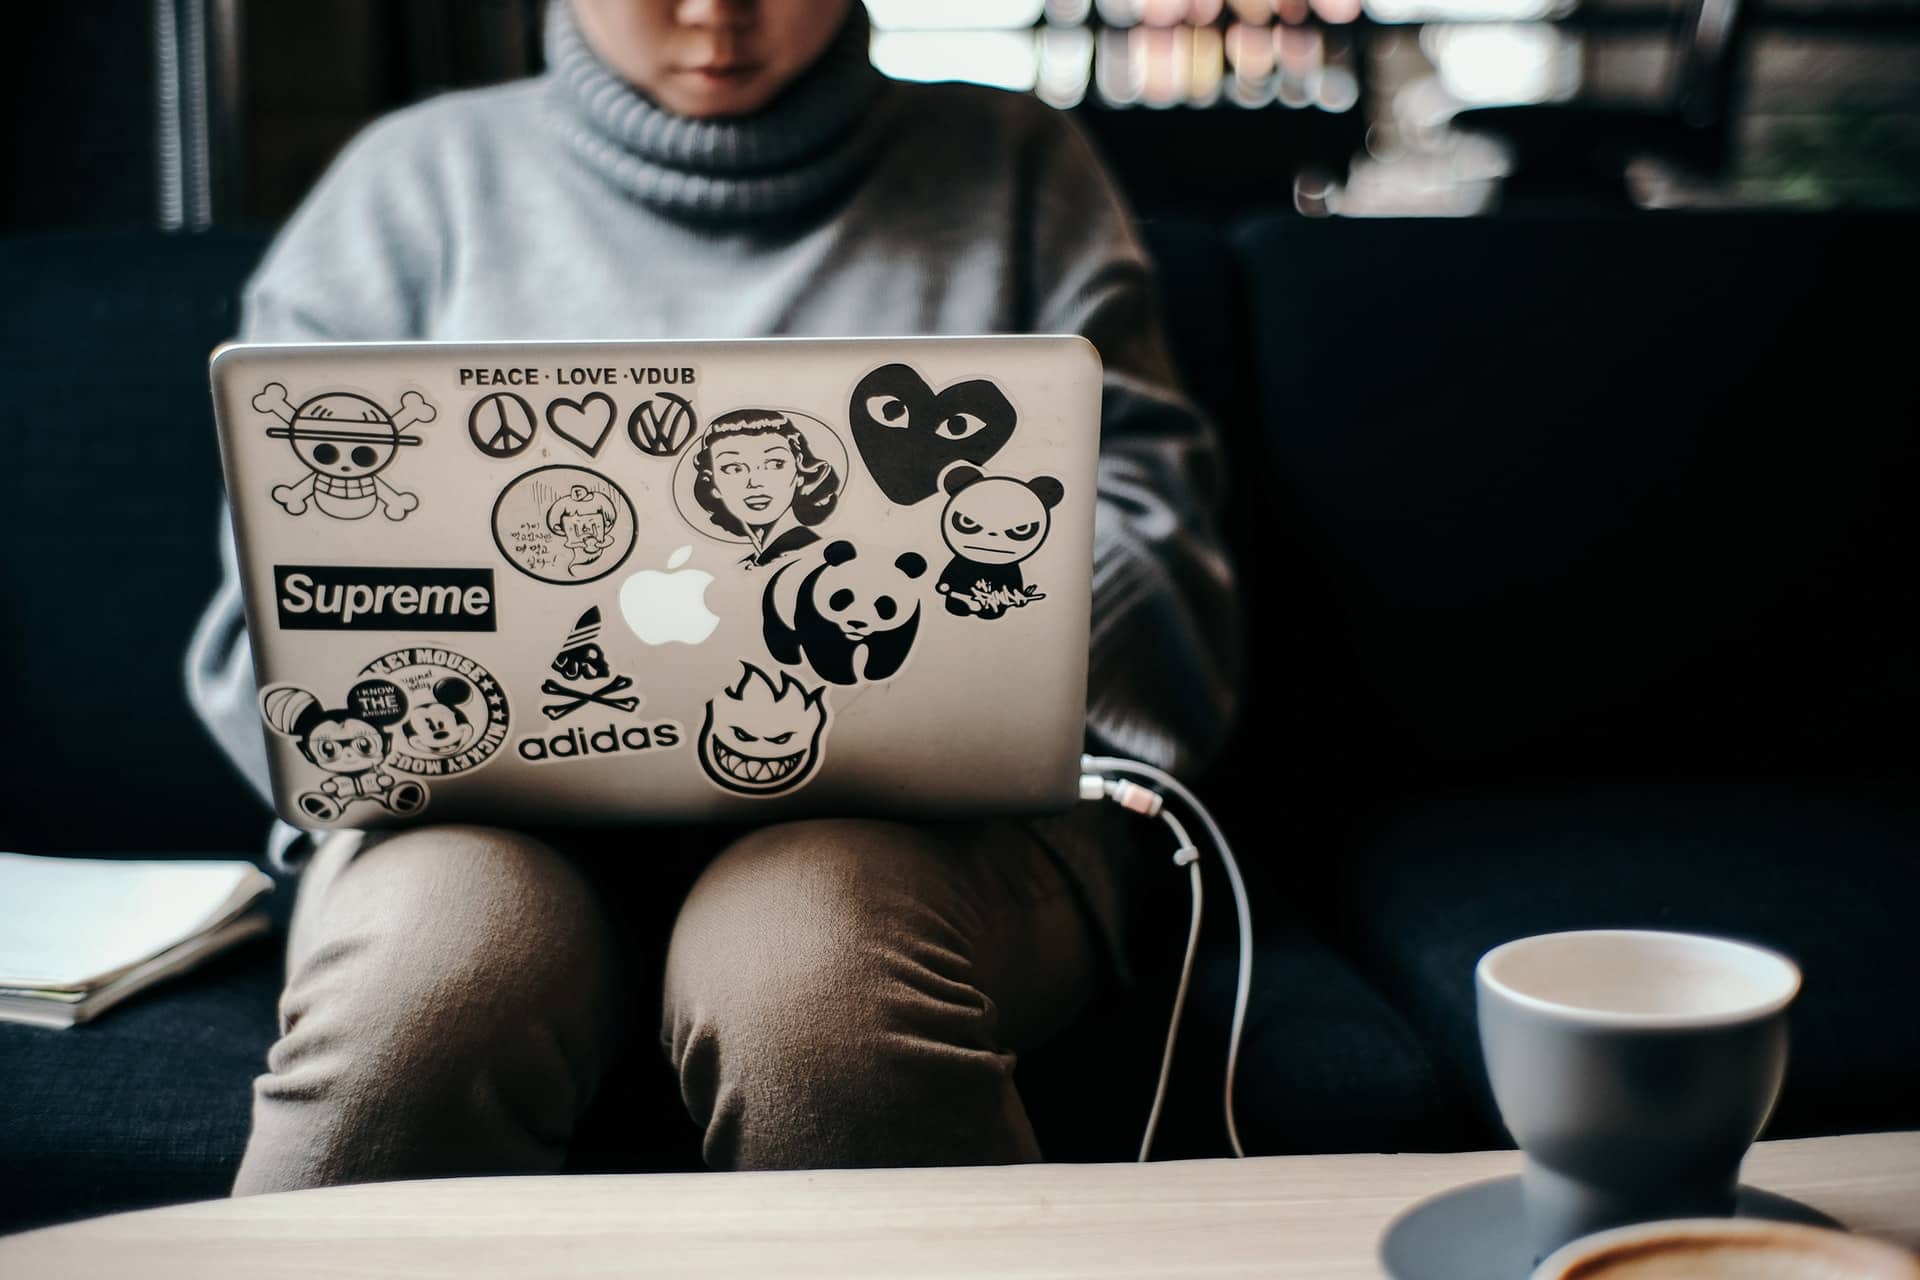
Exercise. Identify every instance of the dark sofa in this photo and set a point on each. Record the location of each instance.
(1576, 560)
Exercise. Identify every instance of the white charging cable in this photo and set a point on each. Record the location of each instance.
(1095, 785)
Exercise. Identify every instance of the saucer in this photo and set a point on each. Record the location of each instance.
(1478, 1232)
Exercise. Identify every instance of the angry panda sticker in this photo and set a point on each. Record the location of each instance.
(762, 739)
(853, 617)
(992, 524)
(908, 433)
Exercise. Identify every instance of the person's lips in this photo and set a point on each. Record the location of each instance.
(722, 72)
(759, 503)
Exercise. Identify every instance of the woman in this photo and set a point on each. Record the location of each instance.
(831, 992)
(756, 478)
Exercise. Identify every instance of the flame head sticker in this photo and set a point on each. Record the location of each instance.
(345, 441)
(564, 524)
(908, 433)
(763, 477)
(761, 739)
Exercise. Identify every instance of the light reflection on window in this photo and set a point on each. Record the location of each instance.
(1002, 59)
(1500, 63)
(1151, 53)
(954, 15)
(1066, 65)
(1409, 11)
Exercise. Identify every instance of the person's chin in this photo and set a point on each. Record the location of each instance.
(711, 95)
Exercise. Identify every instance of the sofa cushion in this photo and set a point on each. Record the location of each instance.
(1824, 871)
(112, 485)
(1591, 495)
(1326, 1063)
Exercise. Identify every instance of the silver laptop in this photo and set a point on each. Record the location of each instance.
(665, 581)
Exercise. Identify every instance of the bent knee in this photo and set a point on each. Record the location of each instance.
(455, 925)
(818, 931)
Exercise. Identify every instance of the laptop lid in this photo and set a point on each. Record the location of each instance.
(665, 581)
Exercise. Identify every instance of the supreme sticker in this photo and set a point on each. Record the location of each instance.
(320, 597)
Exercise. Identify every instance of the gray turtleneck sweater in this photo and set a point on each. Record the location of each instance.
(569, 206)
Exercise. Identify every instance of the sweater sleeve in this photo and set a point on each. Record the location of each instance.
(1165, 656)
(356, 261)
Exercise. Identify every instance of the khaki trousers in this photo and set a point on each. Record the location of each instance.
(830, 993)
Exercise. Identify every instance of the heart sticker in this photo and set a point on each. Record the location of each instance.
(908, 433)
(573, 421)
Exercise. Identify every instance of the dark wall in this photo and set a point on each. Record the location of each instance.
(79, 92)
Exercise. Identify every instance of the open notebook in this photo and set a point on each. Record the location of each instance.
(79, 935)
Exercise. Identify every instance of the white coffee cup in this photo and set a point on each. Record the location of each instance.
(1634, 1068)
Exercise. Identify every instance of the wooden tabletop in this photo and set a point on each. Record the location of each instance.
(1305, 1216)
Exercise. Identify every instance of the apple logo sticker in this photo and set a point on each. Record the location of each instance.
(670, 607)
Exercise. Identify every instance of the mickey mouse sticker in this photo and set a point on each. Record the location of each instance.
(349, 744)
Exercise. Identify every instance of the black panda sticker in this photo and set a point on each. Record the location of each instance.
(853, 618)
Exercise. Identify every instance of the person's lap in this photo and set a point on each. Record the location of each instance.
(830, 993)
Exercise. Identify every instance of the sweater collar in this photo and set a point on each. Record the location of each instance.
(803, 147)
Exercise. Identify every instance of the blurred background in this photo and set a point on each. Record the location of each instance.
(195, 112)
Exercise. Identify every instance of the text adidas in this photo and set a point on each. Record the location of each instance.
(576, 744)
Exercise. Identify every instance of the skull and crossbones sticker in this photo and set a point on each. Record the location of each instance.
(582, 659)
(345, 441)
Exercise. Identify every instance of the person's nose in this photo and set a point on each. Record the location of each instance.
(722, 14)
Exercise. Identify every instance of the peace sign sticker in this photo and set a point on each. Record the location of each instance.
(501, 425)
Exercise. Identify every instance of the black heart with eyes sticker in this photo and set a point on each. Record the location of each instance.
(568, 417)
(908, 433)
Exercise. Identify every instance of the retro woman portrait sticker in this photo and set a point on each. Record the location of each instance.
(762, 477)
(563, 525)
(450, 715)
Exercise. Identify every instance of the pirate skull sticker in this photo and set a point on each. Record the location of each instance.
(582, 660)
(588, 683)
(345, 441)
